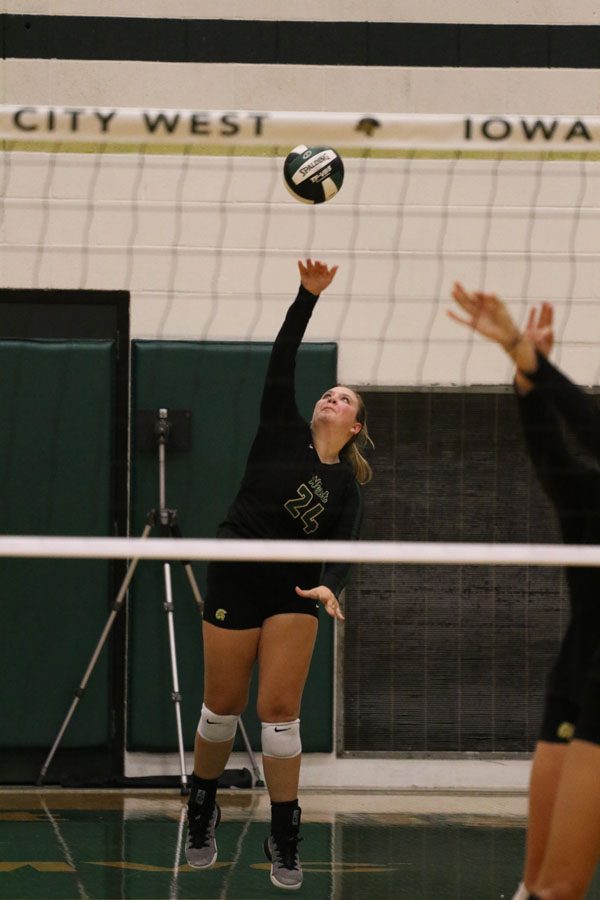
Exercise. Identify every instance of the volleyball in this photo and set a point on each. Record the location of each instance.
(313, 174)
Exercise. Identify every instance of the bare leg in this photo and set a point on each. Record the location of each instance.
(573, 845)
(560, 892)
(543, 786)
(285, 650)
(228, 660)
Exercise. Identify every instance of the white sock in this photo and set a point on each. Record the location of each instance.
(522, 893)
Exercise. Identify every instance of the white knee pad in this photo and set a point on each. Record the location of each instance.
(281, 739)
(522, 893)
(215, 728)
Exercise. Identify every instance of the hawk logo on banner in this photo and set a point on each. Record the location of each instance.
(368, 125)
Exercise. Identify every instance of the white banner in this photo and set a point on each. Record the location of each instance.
(361, 131)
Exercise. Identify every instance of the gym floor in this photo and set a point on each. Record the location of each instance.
(126, 844)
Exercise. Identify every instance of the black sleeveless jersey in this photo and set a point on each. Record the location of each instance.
(287, 493)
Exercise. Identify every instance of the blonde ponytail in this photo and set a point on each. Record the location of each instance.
(351, 452)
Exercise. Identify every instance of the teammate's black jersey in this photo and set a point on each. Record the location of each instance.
(287, 493)
(573, 487)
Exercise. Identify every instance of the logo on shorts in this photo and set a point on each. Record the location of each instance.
(565, 731)
(220, 615)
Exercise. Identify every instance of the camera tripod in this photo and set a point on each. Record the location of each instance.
(155, 431)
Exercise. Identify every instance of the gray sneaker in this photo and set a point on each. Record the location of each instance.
(201, 846)
(286, 871)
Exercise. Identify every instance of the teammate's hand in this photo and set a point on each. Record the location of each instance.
(540, 329)
(324, 596)
(487, 314)
(540, 332)
(316, 276)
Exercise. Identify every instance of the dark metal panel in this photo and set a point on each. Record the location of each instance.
(449, 658)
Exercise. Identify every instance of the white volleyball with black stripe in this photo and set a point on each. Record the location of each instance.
(313, 174)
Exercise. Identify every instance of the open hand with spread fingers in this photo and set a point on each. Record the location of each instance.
(316, 276)
(326, 597)
(486, 314)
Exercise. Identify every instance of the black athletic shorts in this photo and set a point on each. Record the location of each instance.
(559, 719)
(562, 704)
(588, 723)
(243, 594)
(564, 717)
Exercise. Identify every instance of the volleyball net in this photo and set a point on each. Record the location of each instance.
(182, 221)
(189, 213)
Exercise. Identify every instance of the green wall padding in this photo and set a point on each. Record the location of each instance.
(55, 455)
(221, 384)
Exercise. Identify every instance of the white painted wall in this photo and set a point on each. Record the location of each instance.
(334, 88)
(539, 12)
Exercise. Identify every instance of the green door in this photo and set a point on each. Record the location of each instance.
(56, 447)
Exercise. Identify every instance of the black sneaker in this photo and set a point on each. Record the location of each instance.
(201, 846)
(286, 871)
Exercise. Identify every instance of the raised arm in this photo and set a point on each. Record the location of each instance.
(488, 315)
(578, 409)
(279, 395)
(561, 475)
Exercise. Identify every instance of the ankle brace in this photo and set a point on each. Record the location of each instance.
(202, 790)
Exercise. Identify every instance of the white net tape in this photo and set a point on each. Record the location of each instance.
(286, 551)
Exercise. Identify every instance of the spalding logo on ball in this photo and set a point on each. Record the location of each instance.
(313, 174)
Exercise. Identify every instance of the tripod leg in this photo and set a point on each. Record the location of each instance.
(175, 532)
(194, 585)
(168, 607)
(117, 604)
(258, 782)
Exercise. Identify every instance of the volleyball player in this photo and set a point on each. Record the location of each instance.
(563, 835)
(301, 482)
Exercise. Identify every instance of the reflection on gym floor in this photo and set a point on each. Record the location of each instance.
(119, 844)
